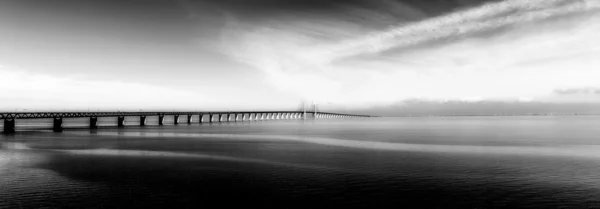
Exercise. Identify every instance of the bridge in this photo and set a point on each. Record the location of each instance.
(10, 118)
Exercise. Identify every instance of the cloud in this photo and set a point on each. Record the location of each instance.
(497, 51)
(587, 90)
(25, 90)
(483, 18)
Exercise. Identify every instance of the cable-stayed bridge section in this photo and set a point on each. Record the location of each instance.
(10, 118)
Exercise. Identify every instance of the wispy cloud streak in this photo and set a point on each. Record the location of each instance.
(487, 17)
(317, 66)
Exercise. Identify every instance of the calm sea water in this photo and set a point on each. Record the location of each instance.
(453, 162)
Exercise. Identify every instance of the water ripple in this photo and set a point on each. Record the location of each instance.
(586, 151)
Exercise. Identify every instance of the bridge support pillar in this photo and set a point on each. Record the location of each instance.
(244, 116)
(93, 122)
(175, 119)
(189, 119)
(142, 120)
(161, 120)
(235, 116)
(121, 121)
(57, 125)
(9, 125)
(200, 118)
(220, 117)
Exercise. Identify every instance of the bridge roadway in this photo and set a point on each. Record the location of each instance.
(11, 117)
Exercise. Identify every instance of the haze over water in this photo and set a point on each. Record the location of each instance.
(452, 162)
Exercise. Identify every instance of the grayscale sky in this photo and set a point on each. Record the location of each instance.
(374, 55)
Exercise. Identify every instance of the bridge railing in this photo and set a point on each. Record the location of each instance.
(9, 118)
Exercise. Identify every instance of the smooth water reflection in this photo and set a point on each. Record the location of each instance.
(462, 162)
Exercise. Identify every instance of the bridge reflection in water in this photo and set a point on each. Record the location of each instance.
(10, 118)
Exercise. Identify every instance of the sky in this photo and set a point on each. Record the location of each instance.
(390, 57)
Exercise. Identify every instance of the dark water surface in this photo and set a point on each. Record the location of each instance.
(455, 162)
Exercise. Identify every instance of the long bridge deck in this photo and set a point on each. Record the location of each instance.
(30, 115)
(9, 118)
